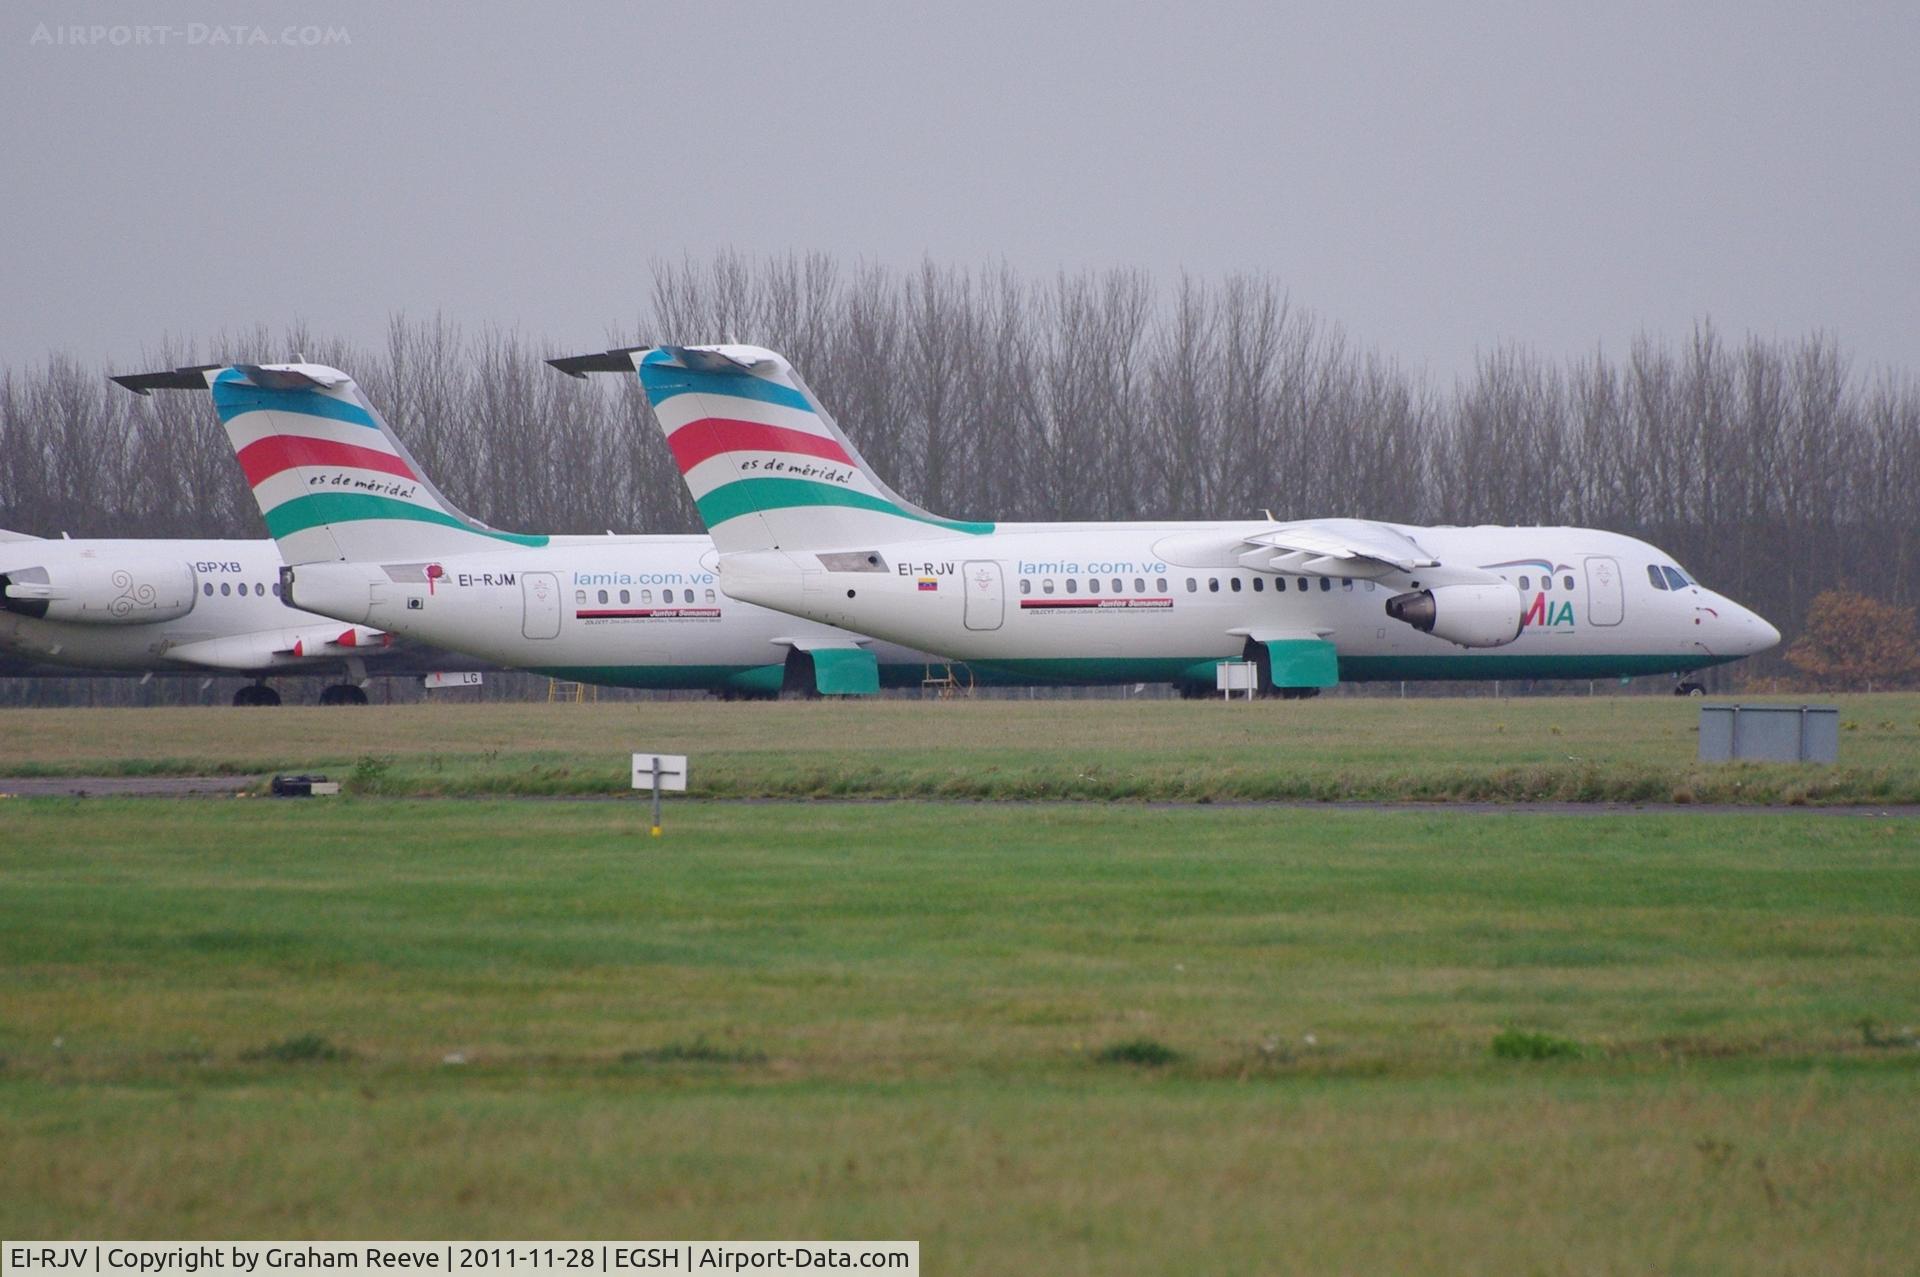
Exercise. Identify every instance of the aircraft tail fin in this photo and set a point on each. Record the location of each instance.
(765, 463)
(332, 481)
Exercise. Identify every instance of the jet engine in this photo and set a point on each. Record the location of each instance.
(97, 592)
(1471, 615)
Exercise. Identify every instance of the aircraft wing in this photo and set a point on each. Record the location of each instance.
(1335, 547)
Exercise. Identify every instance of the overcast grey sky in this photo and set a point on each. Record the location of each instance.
(1438, 178)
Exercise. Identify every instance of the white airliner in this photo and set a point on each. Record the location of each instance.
(171, 607)
(804, 525)
(368, 539)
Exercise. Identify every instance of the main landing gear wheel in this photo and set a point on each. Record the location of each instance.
(1688, 687)
(342, 694)
(255, 694)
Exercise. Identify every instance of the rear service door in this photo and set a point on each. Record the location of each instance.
(986, 599)
(541, 592)
(1606, 599)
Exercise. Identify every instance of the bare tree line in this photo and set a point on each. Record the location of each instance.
(1769, 468)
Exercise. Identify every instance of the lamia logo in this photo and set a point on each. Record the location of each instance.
(1548, 612)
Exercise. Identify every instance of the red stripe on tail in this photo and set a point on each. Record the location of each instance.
(264, 458)
(710, 436)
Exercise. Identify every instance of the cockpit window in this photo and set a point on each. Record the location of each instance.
(1653, 575)
(1675, 580)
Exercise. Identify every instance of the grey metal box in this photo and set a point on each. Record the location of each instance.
(1770, 733)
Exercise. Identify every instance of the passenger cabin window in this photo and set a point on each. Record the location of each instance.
(626, 596)
(603, 596)
(1346, 583)
(225, 588)
(1140, 585)
(1213, 585)
(276, 589)
(1326, 583)
(1093, 586)
(1259, 584)
(1234, 581)
(1046, 586)
(1119, 586)
(1674, 579)
(208, 588)
(1026, 585)
(1161, 587)
(1192, 585)
(646, 596)
(1653, 575)
(1073, 586)
(1526, 583)
(711, 598)
(579, 598)
(1567, 581)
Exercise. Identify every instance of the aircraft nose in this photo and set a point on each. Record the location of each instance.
(1749, 632)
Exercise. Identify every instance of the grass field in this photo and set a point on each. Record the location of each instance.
(1639, 749)
(1072, 1038)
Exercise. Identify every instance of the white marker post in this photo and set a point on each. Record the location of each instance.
(659, 772)
(1236, 676)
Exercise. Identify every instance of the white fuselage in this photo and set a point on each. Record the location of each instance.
(640, 611)
(164, 606)
(1099, 602)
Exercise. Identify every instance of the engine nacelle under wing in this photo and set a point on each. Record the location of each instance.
(101, 592)
(1471, 615)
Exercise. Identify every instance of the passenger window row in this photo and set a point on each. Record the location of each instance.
(229, 589)
(1301, 583)
(646, 596)
(1095, 585)
(1546, 582)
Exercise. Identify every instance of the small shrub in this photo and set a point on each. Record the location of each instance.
(1522, 1044)
(369, 775)
(698, 1051)
(1143, 1053)
(308, 1048)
